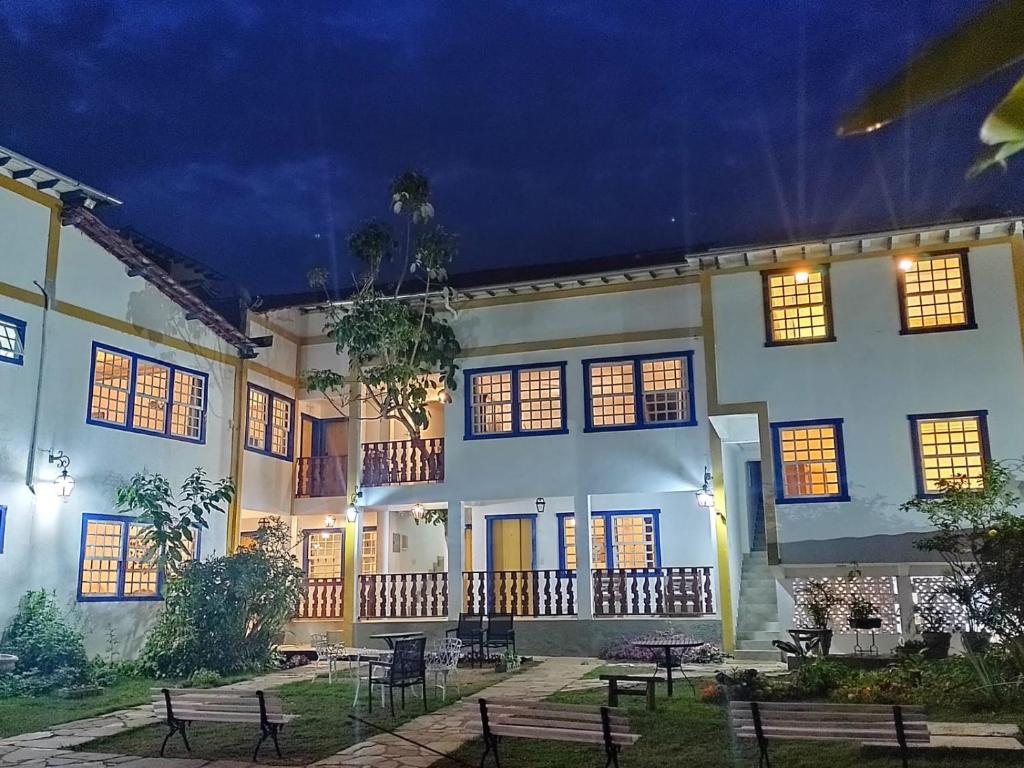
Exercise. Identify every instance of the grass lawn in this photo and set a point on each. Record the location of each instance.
(321, 728)
(685, 732)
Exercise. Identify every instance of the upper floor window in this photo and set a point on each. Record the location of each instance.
(113, 564)
(517, 400)
(639, 392)
(12, 340)
(809, 461)
(324, 554)
(617, 540)
(271, 419)
(797, 306)
(949, 448)
(140, 394)
(368, 556)
(935, 293)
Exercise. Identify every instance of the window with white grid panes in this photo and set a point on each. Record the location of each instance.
(369, 551)
(810, 458)
(665, 390)
(152, 385)
(491, 402)
(12, 340)
(598, 543)
(633, 541)
(140, 577)
(540, 399)
(111, 387)
(935, 292)
(612, 394)
(950, 448)
(189, 405)
(280, 426)
(259, 412)
(102, 548)
(324, 555)
(797, 306)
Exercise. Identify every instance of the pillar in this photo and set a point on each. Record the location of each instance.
(454, 537)
(584, 591)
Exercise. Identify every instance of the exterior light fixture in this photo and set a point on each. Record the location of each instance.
(352, 510)
(64, 484)
(329, 521)
(705, 496)
(444, 396)
(419, 511)
(540, 503)
(802, 276)
(906, 265)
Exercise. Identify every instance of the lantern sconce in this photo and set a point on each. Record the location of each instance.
(64, 484)
(352, 510)
(705, 496)
(329, 521)
(540, 503)
(419, 511)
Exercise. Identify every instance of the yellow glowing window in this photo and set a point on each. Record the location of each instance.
(111, 387)
(797, 305)
(598, 549)
(633, 541)
(665, 390)
(324, 554)
(259, 409)
(935, 293)
(270, 420)
(612, 394)
(152, 384)
(540, 399)
(491, 403)
(810, 457)
(280, 426)
(140, 575)
(369, 553)
(950, 449)
(101, 559)
(189, 405)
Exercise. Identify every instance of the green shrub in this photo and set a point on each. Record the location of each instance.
(43, 639)
(205, 678)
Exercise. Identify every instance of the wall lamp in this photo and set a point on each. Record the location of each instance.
(64, 484)
(352, 510)
(705, 496)
(540, 503)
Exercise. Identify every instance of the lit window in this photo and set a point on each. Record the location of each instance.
(935, 294)
(12, 340)
(325, 555)
(140, 576)
(639, 392)
(617, 540)
(950, 448)
(797, 306)
(133, 392)
(271, 420)
(369, 550)
(113, 563)
(520, 400)
(809, 461)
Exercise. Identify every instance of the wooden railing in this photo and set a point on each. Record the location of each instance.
(655, 592)
(403, 596)
(325, 599)
(403, 461)
(522, 593)
(318, 476)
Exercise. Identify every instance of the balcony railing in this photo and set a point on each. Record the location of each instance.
(318, 476)
(325, 599)
(654, 592)
(522, 593)
(403, 596)
(397, 462)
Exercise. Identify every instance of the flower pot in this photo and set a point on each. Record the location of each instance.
(936, 644)
(826, 641)
(7, 662)
(975, 642)
(871, 622)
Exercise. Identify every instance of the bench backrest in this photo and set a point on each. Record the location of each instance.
(499, 626)
(558, 722)
(874, 723)
(191, 701)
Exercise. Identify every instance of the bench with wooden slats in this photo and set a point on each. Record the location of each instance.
(179, 708)
(870, 724)
(554, 722)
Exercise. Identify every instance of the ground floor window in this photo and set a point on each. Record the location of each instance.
(369, 550)
(324, 554)
(628, 539)
(113, 561)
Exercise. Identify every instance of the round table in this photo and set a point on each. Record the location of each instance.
(666, 646)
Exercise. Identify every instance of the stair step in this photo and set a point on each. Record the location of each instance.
(747, 654)
(742, 638)
(757, 645)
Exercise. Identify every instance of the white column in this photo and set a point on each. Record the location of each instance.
(581, 515)
(454, 558)
(905, 598)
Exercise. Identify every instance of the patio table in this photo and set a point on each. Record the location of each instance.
(391, 637)
(666, 646)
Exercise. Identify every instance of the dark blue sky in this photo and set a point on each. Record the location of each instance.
(253, 135)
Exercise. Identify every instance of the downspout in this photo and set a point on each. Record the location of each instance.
(31, 468)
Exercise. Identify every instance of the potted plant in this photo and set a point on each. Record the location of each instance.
(863, 613)
(932, 621)
(508, 662)
(821, 599)
(969, 596)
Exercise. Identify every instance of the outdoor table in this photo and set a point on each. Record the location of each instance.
(391, 637)
(666, 646)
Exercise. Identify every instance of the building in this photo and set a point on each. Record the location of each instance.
(813, 387)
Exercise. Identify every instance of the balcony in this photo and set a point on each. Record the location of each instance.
(400, 462)
(325, 599)
(521, 593)
(319, 476)
(403, 596)
(672, 592)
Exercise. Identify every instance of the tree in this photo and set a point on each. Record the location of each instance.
(401, 347)
(172, 523)
(982, 46)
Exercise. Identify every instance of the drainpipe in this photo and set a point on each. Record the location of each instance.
(31, 468)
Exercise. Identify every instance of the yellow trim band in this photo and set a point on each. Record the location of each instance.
(21, 294)
(52, 251)
(234, 528)
(582, 341)
(270, 373)
(584, 290)
(722, 545)
(29, 193)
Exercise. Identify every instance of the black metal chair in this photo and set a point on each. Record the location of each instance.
(500, 633)
(471, 632)
(407, 669)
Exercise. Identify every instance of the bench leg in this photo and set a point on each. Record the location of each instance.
(650, 696)
(175, 726)
(613, 693)
(491, 745)
(613, 758)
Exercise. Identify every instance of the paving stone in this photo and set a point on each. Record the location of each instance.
(978, 742)
(974, 729)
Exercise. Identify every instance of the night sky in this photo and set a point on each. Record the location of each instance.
(254, 135)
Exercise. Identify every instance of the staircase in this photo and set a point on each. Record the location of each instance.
(758, 616)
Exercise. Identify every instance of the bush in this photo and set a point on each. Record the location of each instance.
(623, 649)
(51, 653)
(205, 678)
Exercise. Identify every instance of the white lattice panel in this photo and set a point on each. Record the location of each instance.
(932, 589)
(880, 590)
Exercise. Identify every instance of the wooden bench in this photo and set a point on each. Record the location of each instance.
(870, 724)
(554, 722)
(614, 691)
(179, 708)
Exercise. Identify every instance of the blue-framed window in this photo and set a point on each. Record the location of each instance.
(810, 463)
(270, 423)
(135, 393)
(620, 539)
(515, 401)
(3, 526)
(639, 392)
(323, 553)
(949, 448)
(12, 340)
(369, 550)
(112, 565)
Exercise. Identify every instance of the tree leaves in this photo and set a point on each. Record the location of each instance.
(1003, 130)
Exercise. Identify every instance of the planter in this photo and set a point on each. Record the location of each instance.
(936, 644)
(975, 642)
(7, 662)
(826, 641)
(871, 622)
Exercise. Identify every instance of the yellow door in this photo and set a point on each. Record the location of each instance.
(511, 542)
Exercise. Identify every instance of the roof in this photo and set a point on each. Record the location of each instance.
(50, 182)
(641, 266)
